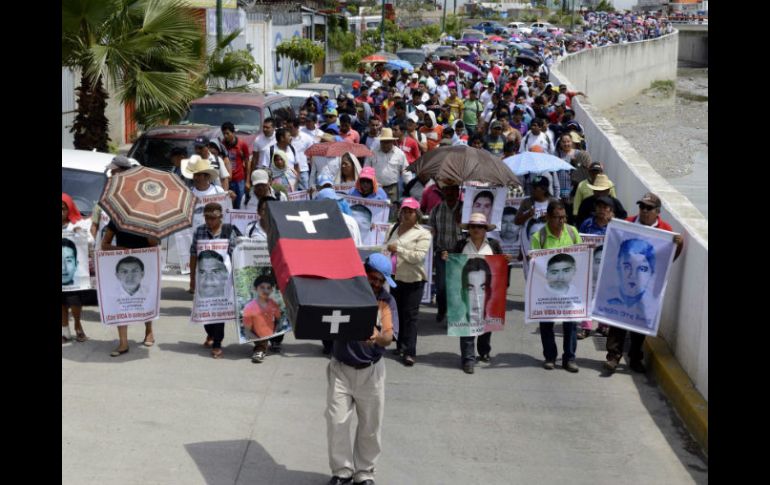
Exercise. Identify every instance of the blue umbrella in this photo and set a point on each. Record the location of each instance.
(536, 162)
(400, 65)
(449, 38)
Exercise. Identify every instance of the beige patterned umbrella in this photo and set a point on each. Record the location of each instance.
(148, 202)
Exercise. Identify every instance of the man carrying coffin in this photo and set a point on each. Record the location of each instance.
(356, 377)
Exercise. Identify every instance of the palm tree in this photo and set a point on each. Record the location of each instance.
(152, 52)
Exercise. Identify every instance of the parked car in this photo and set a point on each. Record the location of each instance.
(297, 97)
(245, 110)
(544, 26)
(344, 78)
(472, 36)
(153, 148)
(516, 26)
(83, 178)
(443, 50)
(413, 56)
(490, 28)
(334, 90)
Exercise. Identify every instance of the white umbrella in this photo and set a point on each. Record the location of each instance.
(536, 162)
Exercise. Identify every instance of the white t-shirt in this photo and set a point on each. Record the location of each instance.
(314, 134)
(302, 142)
(530, 140)
(388, 166)
(218, 164)
(261, 143)
(470, 249)
(212, 190)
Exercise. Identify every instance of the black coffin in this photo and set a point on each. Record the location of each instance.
(305, 220)
(314, 304)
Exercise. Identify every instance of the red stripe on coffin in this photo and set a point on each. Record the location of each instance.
(333, 259)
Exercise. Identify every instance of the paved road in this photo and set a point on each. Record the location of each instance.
(173, 415)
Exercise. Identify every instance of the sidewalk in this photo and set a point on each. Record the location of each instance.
(172, 414)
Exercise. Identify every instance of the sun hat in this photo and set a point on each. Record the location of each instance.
(196, 164)
(386, 135)
(382, 264)
(478, 219)
(601, 182)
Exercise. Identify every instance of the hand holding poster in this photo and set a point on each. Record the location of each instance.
(181, 241)
(75, 274)
(633, 276)
(476, 289)
(371, 216)
(259, 306)
(485, 200)
(213, 283)
(558, 287)
(128, 282)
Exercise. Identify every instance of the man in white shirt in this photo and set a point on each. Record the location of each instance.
(486, 96)
(442, 89)
(201, 172)
(260, 156)
(389, 164)
(311, 129)
(301, 141)
(537, 135)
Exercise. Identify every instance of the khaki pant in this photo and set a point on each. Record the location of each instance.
(362, 390)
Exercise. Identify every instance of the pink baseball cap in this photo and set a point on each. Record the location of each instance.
(368, 173)
(411, 203)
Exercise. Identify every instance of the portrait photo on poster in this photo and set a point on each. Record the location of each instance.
(213, 300)
(510, 232)
(489, 201)
(128, 282)
(75, 274)
(259, 307)
(476, 289)
(635, 265)
(559, 284)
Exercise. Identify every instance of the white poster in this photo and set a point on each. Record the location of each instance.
(372, 218)
(427, 295)
(242, 218)
(299, 195)
(343, 189)
(75, 274)
(128, 282)
(104, 220)
(259, 306)
(633, 276)
(179, 243)
(596, 243)
(558, 287)
(509, 232)
(213, 300)
(486, 200)
(529, 229)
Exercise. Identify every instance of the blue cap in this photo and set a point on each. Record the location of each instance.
(327, 194)
(323, 180)
(380, 262)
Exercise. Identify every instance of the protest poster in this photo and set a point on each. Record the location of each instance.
(344, 188)
(596, 243)
(485, 200)
(104, 220)
(634, 271)
(558, 287)
(476, 287)
(529, 229)
(213, 300)
(242, 218)
(371, 216)
(128, 282)
(179, 243)
(299, 195)
(259, 307)
(75, 274)
(508, 232)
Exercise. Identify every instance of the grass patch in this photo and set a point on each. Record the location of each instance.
(691, 96)
(663, 87)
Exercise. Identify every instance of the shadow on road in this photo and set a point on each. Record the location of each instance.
(245, 462)
(99, 351)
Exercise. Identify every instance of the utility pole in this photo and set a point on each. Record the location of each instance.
(572, 16)
(443, 17)
(219, 21)
(382, 28)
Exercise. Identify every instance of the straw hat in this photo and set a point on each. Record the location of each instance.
(478, 219)
(601, 182)
(387, 135)
(196, 164)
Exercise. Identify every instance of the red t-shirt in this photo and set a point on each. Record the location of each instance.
(410, 148)
(238, 154)
(661, 223)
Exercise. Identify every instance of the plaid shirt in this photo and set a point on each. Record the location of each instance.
(443, 220)
(565, 183)
(202, 233)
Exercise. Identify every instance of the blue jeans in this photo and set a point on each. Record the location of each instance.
(549, 341)
(238, 188)
(304, 180)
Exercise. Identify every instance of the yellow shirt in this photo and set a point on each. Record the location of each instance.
(583, 192)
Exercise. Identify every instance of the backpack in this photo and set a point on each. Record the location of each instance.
(543, 235)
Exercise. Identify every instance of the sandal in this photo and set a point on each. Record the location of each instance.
(149, 343)
(118, 352)
(81, 336)
(208, 343)
(217, 353)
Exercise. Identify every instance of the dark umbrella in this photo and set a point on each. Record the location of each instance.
(528, 60)
(462, 164)
(148, 202)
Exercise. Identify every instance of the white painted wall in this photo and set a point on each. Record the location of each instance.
(684, 320)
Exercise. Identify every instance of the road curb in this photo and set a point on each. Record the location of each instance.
(688, 402)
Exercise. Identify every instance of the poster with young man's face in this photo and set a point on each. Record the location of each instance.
(74, 261)
(476, 287)
(128, 282)
(634, 272)
(558, 286)
(259, 307)
(488, 201)
(213, 300)
(180, 241)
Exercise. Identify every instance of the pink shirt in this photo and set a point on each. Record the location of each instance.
(351, 136)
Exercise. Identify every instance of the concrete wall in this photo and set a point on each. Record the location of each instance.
(684, 320)
(694, 45)
(611, 74)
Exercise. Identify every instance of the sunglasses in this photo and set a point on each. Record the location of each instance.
(647, 207)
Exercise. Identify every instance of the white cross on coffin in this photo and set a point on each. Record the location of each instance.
(307, 220)
(335, 319)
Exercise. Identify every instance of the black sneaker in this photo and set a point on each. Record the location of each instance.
(611, 365)
(637, 366)
(468, 367)
(339, 480)
(484, 358)
(549, 365)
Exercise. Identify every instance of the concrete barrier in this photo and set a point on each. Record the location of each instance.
(694, 45)
(611, 74)
(684, 320)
